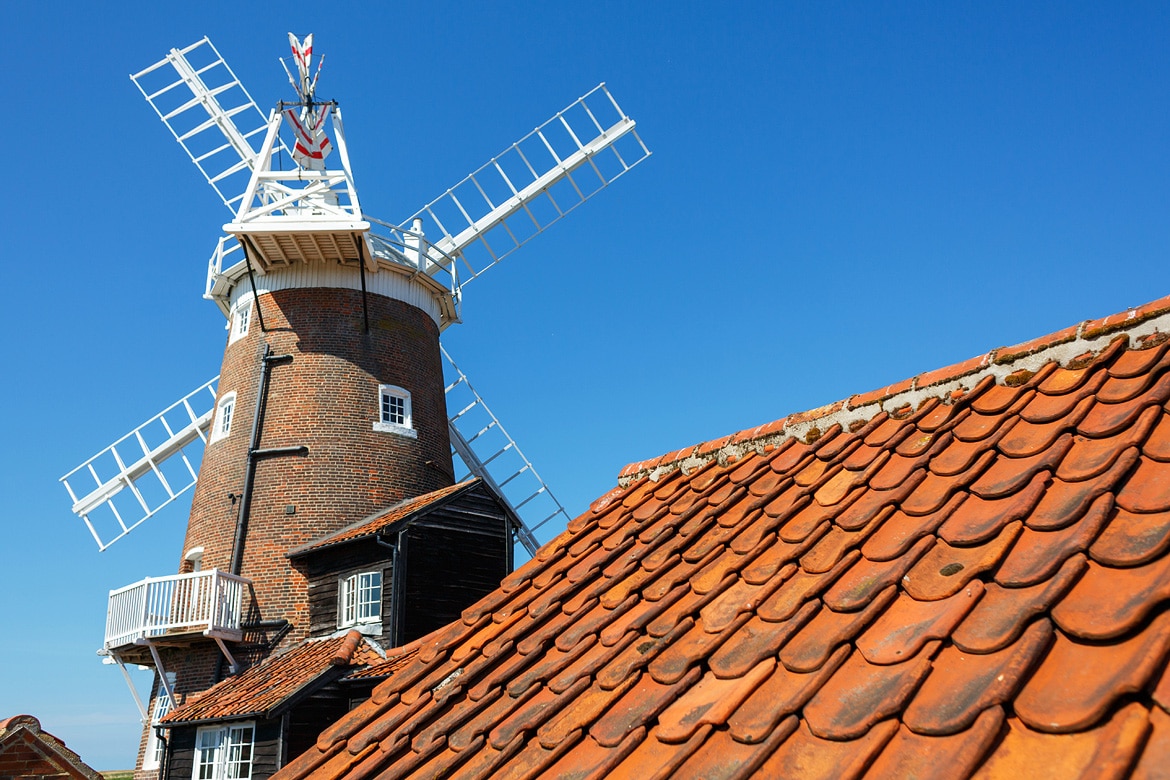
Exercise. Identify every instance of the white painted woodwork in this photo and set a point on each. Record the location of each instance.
(207, 602)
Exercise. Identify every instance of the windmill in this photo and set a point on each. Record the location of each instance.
(335, 402)
(298, 224)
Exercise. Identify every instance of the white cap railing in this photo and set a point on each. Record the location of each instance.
(205, 601)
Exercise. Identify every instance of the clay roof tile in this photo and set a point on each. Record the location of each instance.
(965, 570)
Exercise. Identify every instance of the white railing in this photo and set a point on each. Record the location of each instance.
(206, 601)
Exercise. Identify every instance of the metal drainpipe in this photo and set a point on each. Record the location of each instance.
(162, 764)
(253, 450)
(397, 580)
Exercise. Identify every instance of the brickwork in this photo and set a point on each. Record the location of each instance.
(28, 753)
(325, 398)
(23, 762)
(20, 760)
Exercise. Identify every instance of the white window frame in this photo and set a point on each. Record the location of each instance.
(221, 428)
(152, 757)
(359, 600)
(219, 752)
(387, 395)
(241, 318)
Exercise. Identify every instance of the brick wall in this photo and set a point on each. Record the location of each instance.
(20, 759)
(326, 398)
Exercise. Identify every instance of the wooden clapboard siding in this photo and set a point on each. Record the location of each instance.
(452, 553)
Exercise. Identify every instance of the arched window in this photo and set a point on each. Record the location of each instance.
(221, 424)
(241, 318)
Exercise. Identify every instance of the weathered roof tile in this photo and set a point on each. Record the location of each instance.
(1108, 602)
(911, 755)
(961, 686)
(1131, 539)
(908, 624)
(1037, 555)
(1105, 751)
(263, 688)
(945, 569)
(973, 584)
(1078, 683)
(808, 650)
(1003, 614)
(860, 693)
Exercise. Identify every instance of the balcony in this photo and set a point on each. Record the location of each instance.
(175, 610)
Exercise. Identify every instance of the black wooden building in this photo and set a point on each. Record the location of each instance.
(373, 586)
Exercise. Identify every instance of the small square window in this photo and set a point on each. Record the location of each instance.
(394, 411)
(221, 424)
(359, 599)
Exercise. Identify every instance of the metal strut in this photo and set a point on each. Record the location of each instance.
(358, 242)
(252, 279)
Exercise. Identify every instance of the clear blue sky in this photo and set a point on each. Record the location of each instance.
(841, 196)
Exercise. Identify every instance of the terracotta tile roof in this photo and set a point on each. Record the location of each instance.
(264, 687)
(384, 667)
(967, 573)
(375, 523)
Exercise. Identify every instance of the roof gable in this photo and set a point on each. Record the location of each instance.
(973, 579)
(402, 512)
(27, 751)
(266, 688)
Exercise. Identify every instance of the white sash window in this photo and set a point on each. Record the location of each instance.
(224, 752)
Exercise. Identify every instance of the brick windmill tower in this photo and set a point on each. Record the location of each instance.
(331, 410)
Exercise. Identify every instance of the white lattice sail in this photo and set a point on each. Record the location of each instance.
(533, 183)
(122, 486)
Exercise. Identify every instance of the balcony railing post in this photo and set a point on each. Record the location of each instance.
(213, 617)
(145, 603)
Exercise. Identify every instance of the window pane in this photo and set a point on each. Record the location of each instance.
(239, 754)
(207, 753)
(370, 596)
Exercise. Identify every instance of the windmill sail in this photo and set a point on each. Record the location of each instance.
(533, 183)
(209, 112)
(155, 463)
(488, 452)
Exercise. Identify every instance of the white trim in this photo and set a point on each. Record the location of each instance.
(225, 751)
(152, 756)
(241, 318)
(359, 598)
(221, 423)
(387, 283)
(394, 411)
(194, 556)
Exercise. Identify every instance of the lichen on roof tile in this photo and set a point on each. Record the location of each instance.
(965, 570)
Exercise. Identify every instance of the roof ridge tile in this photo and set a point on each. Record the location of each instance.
(1103, 339)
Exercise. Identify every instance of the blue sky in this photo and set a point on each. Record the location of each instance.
(841, 196)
